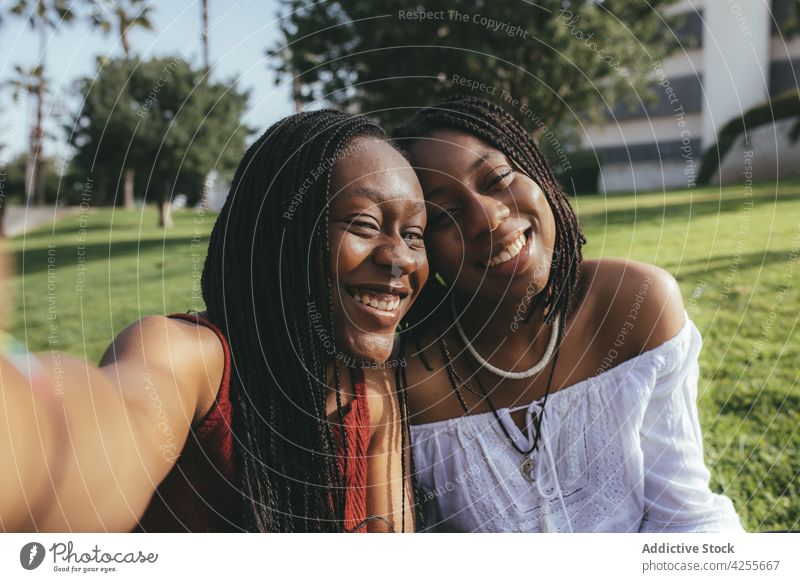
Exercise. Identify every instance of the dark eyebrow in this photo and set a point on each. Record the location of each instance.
(471, 169)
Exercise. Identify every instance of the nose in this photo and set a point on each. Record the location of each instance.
(484, 214)
(396, 256)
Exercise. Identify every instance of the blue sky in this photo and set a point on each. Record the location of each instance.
(240, 31)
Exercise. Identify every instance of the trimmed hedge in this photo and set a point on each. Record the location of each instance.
(581, 178)
(783, 106)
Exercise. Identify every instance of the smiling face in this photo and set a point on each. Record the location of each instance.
(378, 260)
(491, 231)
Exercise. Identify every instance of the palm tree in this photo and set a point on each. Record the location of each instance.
(204, 34)
(31, 81)
(3, 195)
(121, 17)
(43, 16)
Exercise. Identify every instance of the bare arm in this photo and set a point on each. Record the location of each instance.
(386, 481)
(82, 448)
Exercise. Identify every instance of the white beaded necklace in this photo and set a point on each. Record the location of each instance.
(538, 367)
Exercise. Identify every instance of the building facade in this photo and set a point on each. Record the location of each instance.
(733, 57)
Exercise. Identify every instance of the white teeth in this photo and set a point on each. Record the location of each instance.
(375, 302)
(509, 252)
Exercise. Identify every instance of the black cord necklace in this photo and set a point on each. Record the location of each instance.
(456, 382)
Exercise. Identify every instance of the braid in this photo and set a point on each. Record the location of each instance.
(496, 127)
(263, 253)
(401, 381)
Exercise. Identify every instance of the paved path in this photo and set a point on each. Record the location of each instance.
(19, 219)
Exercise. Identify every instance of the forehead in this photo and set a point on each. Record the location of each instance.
(446, 148)
(374, 169)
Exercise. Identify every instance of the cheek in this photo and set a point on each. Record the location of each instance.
(347, 253)
(423, 269)
(548, 230)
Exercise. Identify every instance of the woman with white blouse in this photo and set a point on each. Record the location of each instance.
(547, 393)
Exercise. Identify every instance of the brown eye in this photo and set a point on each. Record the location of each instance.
(414, 238)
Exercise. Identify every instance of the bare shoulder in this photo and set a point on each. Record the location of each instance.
(190, 353)
(642, 299)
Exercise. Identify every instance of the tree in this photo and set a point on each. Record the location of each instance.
(4, 192)
(204, 34)
(24, 82)
(43, 16)
(3, 165)
(160, 118)
(121, 17)
(556, 58)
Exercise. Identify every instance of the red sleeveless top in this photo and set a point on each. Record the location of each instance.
(200, 493)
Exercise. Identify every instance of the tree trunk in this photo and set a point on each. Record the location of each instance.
(298, 103)
(123, 38)
(164, 213)
(2, 218)
(204, 35)
(38, 133)
(30, 169)
(127, 197)
(40, 182)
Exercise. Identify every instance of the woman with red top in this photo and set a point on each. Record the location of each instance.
(255, 415)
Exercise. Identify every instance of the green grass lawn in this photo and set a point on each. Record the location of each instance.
(734, 255)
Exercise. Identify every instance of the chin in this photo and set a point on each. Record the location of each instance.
(368, 348)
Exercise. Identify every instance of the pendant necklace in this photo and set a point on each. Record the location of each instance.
(528, 465)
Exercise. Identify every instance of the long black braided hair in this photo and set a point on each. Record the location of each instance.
(499, 129)
(263, 286)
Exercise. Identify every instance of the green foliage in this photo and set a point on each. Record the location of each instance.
(26, 80)
(162, 118)
(780, 107)
(558, 59)
(581, 175)
(787, 13)
(14, 187)
(43, 13)
(121, 17)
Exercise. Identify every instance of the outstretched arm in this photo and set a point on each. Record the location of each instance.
(81, 446)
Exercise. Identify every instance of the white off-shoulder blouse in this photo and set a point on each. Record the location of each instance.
(619, 452)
